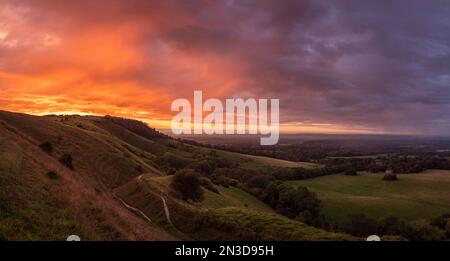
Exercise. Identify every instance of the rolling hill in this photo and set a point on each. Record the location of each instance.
(231, 214)
(105, 178)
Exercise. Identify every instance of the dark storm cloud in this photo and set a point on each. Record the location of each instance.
(375, 65)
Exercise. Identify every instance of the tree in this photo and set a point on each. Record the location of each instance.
(298, 203)
(187, 184)
(422, 231)
(206, 167)
(360, 226)
(392, 225)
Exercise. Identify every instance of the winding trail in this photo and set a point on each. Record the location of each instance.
(166, 211)
(133, 208)
(166, 207)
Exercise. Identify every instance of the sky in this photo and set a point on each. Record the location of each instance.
(336, 66)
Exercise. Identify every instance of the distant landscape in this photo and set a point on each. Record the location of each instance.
(109, 178)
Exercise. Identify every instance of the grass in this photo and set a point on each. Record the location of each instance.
(273, 226)
(283, 163)
(412, 197)
(37, 205)
(231, 215)
(258, 162)
(233, 197)
(227, 197)
(30, 208)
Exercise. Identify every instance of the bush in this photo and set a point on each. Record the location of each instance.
(170, 160)
(259, 181)
(422, 231)
(297, 203)
(207, 184)
(204, 166)
(390, 177)
(392, 226)
(351, 172)
(46, 147)
(52, 175)
(186, 183)
(443, 222)
(224, 181)
(66, 160)
(360, 226)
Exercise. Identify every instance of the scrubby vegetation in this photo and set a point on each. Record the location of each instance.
(296, 203)
(47, 147)
(390, 177)
(187, 185)
(52, 175)
(67, 161)
(423, 230)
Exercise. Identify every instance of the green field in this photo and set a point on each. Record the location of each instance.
(257, 162)
(283, 163)
(412, 197)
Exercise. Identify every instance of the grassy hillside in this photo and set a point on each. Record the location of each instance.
(62, 175)
(40, 198)
(413, 196)
(230, 215)
(283, 163)
(261, 162)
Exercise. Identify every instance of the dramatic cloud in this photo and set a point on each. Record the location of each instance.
(337, 66)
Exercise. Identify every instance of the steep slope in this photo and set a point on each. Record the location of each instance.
(40, 199)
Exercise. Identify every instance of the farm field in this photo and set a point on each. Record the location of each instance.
(412, 197)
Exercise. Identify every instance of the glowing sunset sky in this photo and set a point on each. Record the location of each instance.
(336, 66)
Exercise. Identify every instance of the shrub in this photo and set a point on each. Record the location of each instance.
(360, 226)
(392, 226)
(443, 222)
(297, 203)
(66, 160)
(187, 184)
(224, 181)
(351, 172)
(46, 147)
(204, 166)
(259, 181)
(422, 231)
(52, 175)
(207, 184)
(447, 230)
(390, 177)
(170, 160)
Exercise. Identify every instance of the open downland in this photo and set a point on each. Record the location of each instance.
(412, 197)
(283, 163)
(256, 162)
(231, 214)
